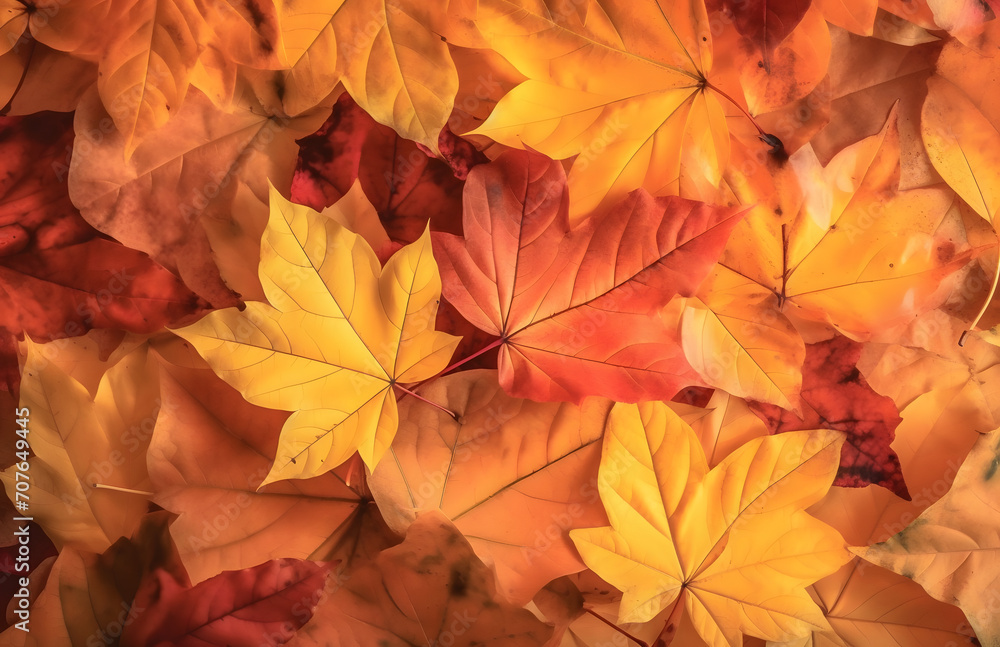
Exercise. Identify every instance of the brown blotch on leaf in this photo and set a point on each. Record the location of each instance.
(946, 251)
(458, 579)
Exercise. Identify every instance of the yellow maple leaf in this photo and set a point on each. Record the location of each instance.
(338, 334)
(623, 89)
(735, 541)
(858, 255)
(79, 440)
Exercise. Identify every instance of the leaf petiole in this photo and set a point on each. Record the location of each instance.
(496, 342)
(764, 136)
(406, 391)
(126, 490)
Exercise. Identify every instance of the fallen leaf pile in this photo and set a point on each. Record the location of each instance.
(506, 323)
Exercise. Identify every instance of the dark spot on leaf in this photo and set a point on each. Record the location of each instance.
(256, 15)
(695, 396)
(279, 86)
(760, 63)
(851, 376)
(992, 469)
(458, 580)
(946, 252)
(704, 39)
(833, 227)
(891, 265)
(778, 211)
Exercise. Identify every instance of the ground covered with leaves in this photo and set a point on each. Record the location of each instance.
(512, 323)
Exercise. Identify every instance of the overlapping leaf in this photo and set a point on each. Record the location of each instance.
(273, 599)
(337, 323)
(57, 278)
(854, 256)
(766, 22)
(621, 85)
(79, 441)
(505, 458)
(733, 542)
(836, 396)
(193, 195)
(573, 305)
(404, 185)
(950, 549)
(208, 456)
(563, 288)
(429, 589)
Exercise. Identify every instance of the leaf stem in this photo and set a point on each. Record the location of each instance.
(126, 490)
(495, 343)
(616, 627)
(24, 73)
(673, 621)
(741, 108)
(777, 147)
(423, 399)
(986, 304)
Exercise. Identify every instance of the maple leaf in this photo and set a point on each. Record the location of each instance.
(417, 80)
(210, 452)
(47, 295)
(925, 362)
(549, 486)
(187, 195)
(766, 22)
(79, 440)
(56, 277)
(705, 539)
(572, 305)
(735, 341)
(791, 69)
(235, 607)
(430, 589)
(404, 185)
(836, 396)
(337, 322)
(949, 549)
(145, 67)
(89, 596)
(723, 424)
(866, 78)
(853, 256)
(387, 55)
(931, 441)
(624, 89)
(867, 605)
